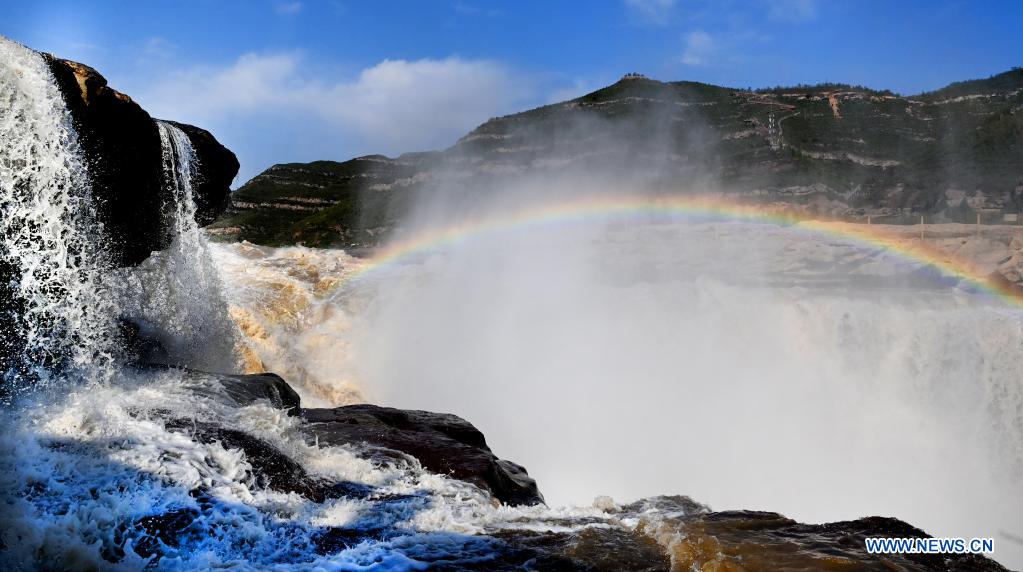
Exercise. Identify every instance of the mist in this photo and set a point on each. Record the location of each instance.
(744, 364)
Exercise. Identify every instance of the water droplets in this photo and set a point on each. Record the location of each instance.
(57, 314)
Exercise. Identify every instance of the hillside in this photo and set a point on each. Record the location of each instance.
(832, 150)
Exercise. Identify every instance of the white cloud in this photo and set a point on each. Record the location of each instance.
(699, 49)
(579, 87)
(288, 8)
(792, 10)
(425, 102)
(391, 107)
(652, 11)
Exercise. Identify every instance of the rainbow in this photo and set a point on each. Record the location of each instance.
(876, 237)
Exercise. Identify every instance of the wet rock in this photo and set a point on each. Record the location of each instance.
(140, 343)
(217, 167)
(350, 490)
(164, 529)
(442, 443)
(248, 389)
(273, 469)
(595, 549)
(333, 540)
(755, 540)
(121, 145)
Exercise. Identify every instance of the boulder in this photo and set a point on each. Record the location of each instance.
(244, 390)
(442, 443)
(272, 468)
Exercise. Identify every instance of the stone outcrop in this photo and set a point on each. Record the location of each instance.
(442, 443)
(121, 145)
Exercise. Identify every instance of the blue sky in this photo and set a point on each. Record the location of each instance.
(298, 80)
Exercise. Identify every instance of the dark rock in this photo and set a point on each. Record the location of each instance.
(755, 540)
(248, 389)
(442, 443)
(350, 490)
(333, 540)
(122, 149)
(239, 390)
(217, 167)
(594, 549)
(140, 343)
(273, 469)
(121, 145)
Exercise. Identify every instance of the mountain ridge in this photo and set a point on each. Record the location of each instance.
(831, 150)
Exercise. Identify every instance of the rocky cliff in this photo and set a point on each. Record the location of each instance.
(121, 146)
(835, 150)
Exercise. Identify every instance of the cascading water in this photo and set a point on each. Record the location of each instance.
(293, 324)
(57, 312)
(177, 293)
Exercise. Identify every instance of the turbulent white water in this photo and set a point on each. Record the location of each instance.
(176, 293)
(294, 320)
(101, 460)
(748, 365)
(66, 315)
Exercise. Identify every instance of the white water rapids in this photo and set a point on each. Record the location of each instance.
(747, 365)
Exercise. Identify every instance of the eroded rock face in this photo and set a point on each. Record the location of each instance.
(121, 145)
(696, 538)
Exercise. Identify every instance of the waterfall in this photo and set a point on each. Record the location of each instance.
(177, 291)
(57, 314)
